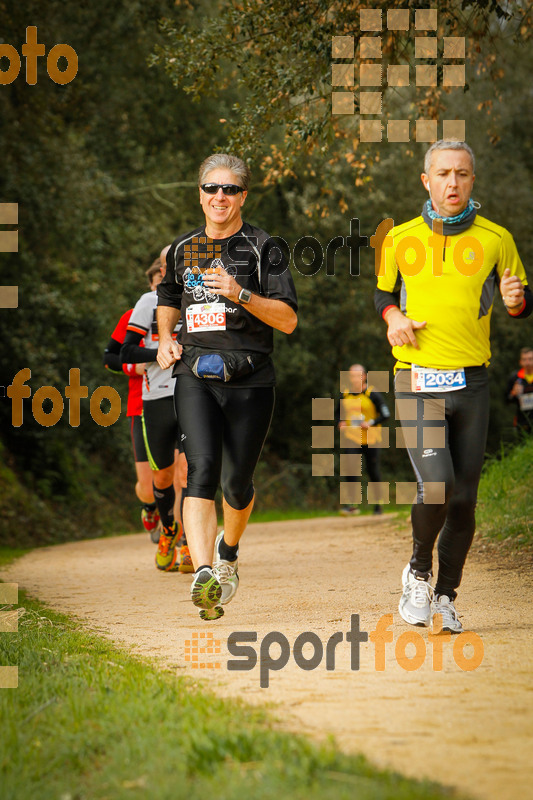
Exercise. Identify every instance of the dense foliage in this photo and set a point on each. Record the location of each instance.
(85, 162)
(279, 54)
(104, 170)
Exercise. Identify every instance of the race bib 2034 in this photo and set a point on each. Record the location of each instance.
(424, 379)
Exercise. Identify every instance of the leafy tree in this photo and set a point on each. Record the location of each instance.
(104, 170)
(89, 164)
(279, 53)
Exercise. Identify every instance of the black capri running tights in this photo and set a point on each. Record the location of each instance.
(445, 434)
(223, 431)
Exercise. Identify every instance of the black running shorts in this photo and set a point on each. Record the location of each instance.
(161, 431)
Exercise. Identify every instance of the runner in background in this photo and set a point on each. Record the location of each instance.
(361, 412)
(112, 362)
(160, 429)
(520, 392)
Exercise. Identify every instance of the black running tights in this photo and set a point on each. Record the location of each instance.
(223, 431)
(447, 455)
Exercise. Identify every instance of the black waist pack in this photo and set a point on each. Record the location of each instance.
(221, 365)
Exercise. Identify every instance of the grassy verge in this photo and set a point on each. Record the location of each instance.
(504, 510)
(9, 554)
(280, 514)
(88, 722)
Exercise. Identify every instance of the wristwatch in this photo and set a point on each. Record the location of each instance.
(245, 296)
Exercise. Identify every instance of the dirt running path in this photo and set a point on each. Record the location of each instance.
(469, 729)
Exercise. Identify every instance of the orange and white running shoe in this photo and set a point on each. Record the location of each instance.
(165, 558)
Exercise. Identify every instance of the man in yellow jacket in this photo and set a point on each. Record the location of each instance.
(362, 411)
(437, 279)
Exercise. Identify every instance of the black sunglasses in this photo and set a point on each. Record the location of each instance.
(227, 188)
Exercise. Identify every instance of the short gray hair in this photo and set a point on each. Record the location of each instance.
(236, 165)
(443, 144)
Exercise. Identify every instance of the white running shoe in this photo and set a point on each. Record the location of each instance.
(226, 572)
(442, 605)
(415, 603)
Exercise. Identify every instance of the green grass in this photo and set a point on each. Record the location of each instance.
(9, 554)
(88, 722)
(278, 515)
(505, 499)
